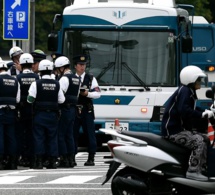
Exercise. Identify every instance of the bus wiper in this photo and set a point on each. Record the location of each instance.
(135, 76)
(110, 65)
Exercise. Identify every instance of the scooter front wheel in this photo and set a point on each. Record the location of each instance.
(129, 181)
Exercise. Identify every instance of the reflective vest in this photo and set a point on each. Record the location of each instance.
(72, 92)
(25, 81)
(9, 88)
(47, 94)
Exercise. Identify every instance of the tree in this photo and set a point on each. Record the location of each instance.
(202, 7)
(45, 12)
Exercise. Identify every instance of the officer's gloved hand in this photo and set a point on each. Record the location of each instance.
(208, 114)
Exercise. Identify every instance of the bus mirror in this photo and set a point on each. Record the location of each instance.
(52, 42)
(187, 44)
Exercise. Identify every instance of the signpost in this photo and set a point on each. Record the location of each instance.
(16, 19)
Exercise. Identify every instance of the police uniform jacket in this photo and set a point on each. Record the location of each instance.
(10, 91)
(47, 93)
(90, 83)
(25, 79)
(180, 109)
(13, 71)
(70, 85)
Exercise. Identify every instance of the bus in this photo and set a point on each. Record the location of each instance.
(202, 55)
(136, 50)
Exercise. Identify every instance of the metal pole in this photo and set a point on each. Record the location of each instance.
(32, 26)
(13, 43)
(29, 45)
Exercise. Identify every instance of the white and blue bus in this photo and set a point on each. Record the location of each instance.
(135, 49)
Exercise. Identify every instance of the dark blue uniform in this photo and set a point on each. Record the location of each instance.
(46, 117)
(68, 113)
(25, 139)
(85, 119)
(8, 94)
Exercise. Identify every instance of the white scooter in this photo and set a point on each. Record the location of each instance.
(152, 165)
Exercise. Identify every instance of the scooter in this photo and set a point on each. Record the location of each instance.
(151, 165)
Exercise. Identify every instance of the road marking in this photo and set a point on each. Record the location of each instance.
(40, 188)
(73, 179)
(13, 179)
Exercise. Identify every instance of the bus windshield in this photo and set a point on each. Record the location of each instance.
(125, 58)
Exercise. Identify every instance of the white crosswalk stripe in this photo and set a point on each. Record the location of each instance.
(73, 179)
(13, 179)
(78, 175)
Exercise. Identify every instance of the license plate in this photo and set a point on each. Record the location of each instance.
(122, 126)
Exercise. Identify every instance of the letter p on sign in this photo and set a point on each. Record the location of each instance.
(20, 16)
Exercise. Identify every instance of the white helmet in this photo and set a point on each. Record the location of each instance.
(3, 64)
(61, 61)
(26, 58)
(45, 65)
(14, 51)
(190, 74)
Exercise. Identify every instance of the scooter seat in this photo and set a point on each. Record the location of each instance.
(177, 151)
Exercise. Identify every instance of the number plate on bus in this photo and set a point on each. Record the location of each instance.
(122, 126)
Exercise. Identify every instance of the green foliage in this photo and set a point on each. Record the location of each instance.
(45, 12)
(202, 7)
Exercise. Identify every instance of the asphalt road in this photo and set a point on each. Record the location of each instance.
(78, 180)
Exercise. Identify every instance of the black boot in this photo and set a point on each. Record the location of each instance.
(75, 164)
(12, 163)
(33, 163)
(1, 162)
(90, 161)
(71, 158)
(39, 162)
(52, 163)
(64, 162)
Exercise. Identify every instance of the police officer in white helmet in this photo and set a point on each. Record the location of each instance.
(70, 85)
(15, 53)
(9, 97)
(25, 138)
(46, 95)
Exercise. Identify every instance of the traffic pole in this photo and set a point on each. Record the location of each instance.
(116, 125)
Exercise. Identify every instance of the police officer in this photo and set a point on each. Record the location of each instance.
(56, 55)
(25, 132)
(55, 74)
(70, 85)
(9, 97)
(38, 55)
(15, 53)
(85, 118)
(46, 94)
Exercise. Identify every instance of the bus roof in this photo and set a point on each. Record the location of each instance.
(166, 3)
(199, 20)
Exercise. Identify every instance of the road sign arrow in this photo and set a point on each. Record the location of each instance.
(9, 33)
(17, 2)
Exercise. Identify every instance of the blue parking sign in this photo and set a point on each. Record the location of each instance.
(16, 19)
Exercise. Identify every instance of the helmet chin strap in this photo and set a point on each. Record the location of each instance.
(192, 85)
(62, 72)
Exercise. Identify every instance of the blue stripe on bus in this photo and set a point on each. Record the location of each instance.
(111, 99)
(81, 21)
